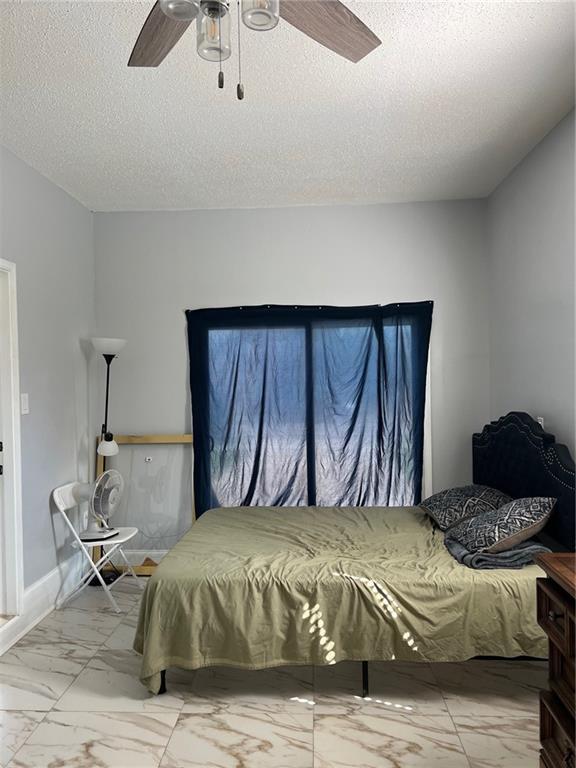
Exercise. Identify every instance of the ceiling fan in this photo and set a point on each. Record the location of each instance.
(328, 22)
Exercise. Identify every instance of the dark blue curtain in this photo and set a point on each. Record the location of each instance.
(308, 405)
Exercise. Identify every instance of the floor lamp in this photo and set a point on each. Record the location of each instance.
(107, 446)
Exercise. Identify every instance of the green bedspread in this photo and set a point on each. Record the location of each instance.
(260, 587)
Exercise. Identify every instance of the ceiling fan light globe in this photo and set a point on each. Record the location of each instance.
(213, 37)
(260, 15)
(180, 10)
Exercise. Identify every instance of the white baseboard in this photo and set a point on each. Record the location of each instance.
(40, 599)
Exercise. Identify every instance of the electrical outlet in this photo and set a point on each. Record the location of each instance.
(540, 420)
(24, 404)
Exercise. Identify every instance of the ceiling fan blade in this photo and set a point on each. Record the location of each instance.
(156, 39)
(331, 24)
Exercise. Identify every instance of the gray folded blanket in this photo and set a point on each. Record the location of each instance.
(517, 557)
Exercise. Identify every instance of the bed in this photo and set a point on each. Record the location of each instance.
(258, 587)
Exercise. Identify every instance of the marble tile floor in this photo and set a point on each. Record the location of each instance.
(70, 698)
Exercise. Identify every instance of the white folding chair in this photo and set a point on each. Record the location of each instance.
(65, 499)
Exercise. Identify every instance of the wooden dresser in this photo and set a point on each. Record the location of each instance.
(556, 617)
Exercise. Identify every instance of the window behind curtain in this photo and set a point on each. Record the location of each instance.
(308, 406)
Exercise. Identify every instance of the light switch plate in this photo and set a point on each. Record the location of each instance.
(24, 404)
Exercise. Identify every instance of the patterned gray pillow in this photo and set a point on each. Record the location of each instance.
(503, 528)
(450, 507)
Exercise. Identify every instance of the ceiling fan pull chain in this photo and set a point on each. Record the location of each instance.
(239, 87)
(220, 73)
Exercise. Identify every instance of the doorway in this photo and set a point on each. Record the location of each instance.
(11, 560)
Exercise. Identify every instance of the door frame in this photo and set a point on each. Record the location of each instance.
(11, 553)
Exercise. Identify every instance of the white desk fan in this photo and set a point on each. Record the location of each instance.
(103, 499)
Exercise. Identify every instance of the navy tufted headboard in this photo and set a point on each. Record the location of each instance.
(515, 455)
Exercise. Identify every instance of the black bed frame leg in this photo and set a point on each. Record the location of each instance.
(162, 682)
(365, 686)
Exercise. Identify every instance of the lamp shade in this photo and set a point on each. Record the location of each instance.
(108, 447)
(108, 346)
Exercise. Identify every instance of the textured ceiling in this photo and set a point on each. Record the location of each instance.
(454, 97)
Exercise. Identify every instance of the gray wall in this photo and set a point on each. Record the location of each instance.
(50, 238)
(150, 267)
(500, 271)
(531, 295)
